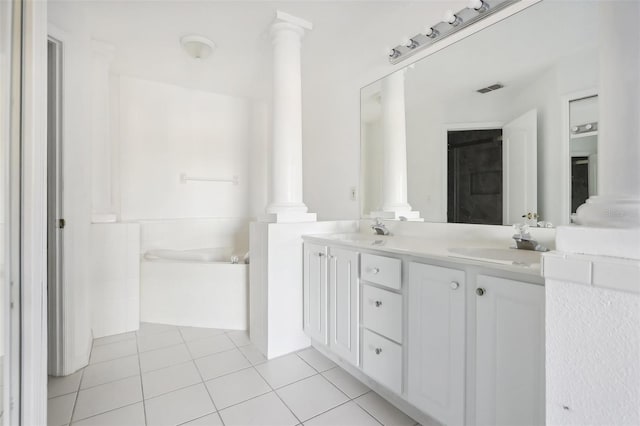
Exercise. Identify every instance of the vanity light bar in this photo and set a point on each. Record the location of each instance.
(452, 23)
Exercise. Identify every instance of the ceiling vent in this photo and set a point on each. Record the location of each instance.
(490, 88)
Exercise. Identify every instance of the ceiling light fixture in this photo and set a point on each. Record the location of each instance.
(198, 47)
(452, 23)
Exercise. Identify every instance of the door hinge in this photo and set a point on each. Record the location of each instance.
(61, 223)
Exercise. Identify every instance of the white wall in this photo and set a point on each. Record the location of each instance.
(592, 327)
(166, 130)
(115, 278)
(185, 234)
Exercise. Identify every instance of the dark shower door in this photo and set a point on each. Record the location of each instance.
(474, 176)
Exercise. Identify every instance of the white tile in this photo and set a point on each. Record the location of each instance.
(284, 370)
(168, 379)
(60, 409)
(237, 387)
(147, 328)
(219, 364)
(110, 371)
(107, 397)
(346, 382)
(63, 385)
(265, 410)
(115, 338)
(208, 420)
(148, 342)
(179, 406)
(113, 350)
(209, 345)
(316, 359)
(193, 333)
(346, 414)
(253, 354)
(165, 357)
(310, 397)
(239, 337)
(383, 411)
(131, 415)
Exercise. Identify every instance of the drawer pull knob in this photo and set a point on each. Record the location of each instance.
(378, 351)
(454, 285)
(320, 254)
(375, 270)
(378, 303)
(480, 291)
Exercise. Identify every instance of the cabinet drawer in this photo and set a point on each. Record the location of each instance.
(382, 312)
(382, 360)
(381, 270)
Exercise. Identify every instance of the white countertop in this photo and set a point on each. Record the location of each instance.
(479, 253)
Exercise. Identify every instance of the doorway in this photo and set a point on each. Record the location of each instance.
(55, 221)
(474, 176)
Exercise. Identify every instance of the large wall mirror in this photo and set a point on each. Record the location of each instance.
(497, 126)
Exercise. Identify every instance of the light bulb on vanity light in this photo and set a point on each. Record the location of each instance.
(409, 43)
(393, 53)
(451, 18)
(431, 33)
(478, 5)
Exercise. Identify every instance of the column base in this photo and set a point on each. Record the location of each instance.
(609, 212)
(410, 216)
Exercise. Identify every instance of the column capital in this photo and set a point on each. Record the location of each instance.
(286, 22)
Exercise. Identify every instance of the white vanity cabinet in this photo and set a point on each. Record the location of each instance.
(436, 346)
(441, 338)
(344, 304)
(332, 299)
(315, 292)
(510, 342)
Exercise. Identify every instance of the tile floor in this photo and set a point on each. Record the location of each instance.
(167, 375)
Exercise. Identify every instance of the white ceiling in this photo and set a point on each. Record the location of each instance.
(347, 35)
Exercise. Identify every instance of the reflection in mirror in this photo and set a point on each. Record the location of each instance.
(583, 149)
(483, 124)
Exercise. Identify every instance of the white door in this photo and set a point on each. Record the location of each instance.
(436, 344)
(315, 292)
(510, 375)
(519, 167)
(343, 304)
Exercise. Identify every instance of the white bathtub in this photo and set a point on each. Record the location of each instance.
(197, 288)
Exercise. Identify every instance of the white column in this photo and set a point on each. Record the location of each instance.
(286, 151)
(618, 200)
(394, 134)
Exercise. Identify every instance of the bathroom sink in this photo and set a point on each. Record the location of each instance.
(359, 238)
(507, 256)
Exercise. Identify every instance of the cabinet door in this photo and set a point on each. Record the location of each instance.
(510, 376)
(315, 292)
(436, 346)
(343, 304)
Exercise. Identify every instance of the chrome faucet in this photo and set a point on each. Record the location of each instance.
(523, 239)
(379, 227)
